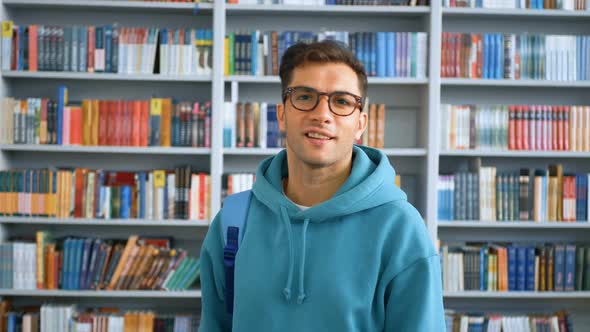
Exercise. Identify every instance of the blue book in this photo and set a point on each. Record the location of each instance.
(254, 52)
(11, 322)
(486, 56)
(87, 248)
(272, 133)
(483, 268)
(373, 53)
(570, 267)
(390, 54)
(381, 54)
(142, 192)
(91, 270)
(125, 208)
(520, 268)
(512, 266)
(77, 269)
(108, 48)
(83, 53)
(559, 267)
(500, 56)
(530, 269)
(62, 101)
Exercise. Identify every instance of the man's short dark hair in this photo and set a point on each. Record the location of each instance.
(325, 51)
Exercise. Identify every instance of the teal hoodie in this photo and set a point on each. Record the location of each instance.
(360, 261)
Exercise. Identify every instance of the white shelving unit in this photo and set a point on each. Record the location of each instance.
(189, 294)
(105, 76)
(412, 129)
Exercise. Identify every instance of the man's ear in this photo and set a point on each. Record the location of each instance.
(281, 116)
(361, 125)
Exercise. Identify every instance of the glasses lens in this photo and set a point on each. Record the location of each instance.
(343, 104)
(304, 99)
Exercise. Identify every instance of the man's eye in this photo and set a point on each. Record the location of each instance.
(343, 101)
(303, 97)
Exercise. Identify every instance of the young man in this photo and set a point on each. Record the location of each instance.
(331, 244)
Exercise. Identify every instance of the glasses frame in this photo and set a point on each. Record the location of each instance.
(288, 93)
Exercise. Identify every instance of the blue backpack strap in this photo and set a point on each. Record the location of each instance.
(233, 221)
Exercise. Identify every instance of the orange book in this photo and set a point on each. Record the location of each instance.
(372, 124)
(43, 138)
(202, 190)
(380, 137)
(86, 121)
(131, 268)
(51, 197)
(166, 125)
(249, 122)
(585, 133)
(103, 121)
(94, 123)
(240, 125)
(76, 125)
(127, 267)
(33, 60)
(131, 322)
(144, 123)
(79, 196)
(3, 197)
(136, 123)
(131, 243)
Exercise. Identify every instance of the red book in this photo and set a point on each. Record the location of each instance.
(144, 122)
(79, 187)
(33, 59)
(443, 62)
(518, 124)
(554, 128)
(566, 128)
(111, 122)
(136, 123)
(511, 127)
(91, 46)
(75, 125)
(525, 128)
(103, 120)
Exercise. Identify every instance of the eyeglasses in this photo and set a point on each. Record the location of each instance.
(307, 99)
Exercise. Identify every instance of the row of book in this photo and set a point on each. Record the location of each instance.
(515, 267)
(515, 56)
(255, 125)
(515, 127)
(91, 122)
(461, 322)
(232, 183)
(106, 49)
(86, 193)
(520, 4)
(540, 195)
(60, 318)
(383, 54)
(74, 263)
(251, 125)
(333, 2)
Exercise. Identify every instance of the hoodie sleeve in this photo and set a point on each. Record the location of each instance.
(414, 302)
(214, 318)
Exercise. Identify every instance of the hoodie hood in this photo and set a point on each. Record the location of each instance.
(370, 184)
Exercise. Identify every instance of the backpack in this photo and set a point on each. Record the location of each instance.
(233, 223)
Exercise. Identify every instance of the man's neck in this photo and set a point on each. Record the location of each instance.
(310, 186)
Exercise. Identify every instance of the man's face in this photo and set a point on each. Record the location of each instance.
(320, 138)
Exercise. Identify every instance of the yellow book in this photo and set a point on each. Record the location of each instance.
(226, 60)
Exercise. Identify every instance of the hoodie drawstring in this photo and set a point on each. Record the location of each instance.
(287, 222)
(302, 295)
(287, 290)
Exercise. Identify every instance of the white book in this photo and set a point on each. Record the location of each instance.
(194, 197)
(263, 125)
(150, 196)
(7, 27)
(164, 53)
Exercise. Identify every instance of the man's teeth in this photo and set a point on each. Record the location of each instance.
(316, 135)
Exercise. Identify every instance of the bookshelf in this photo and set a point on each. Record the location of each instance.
(414, 150)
